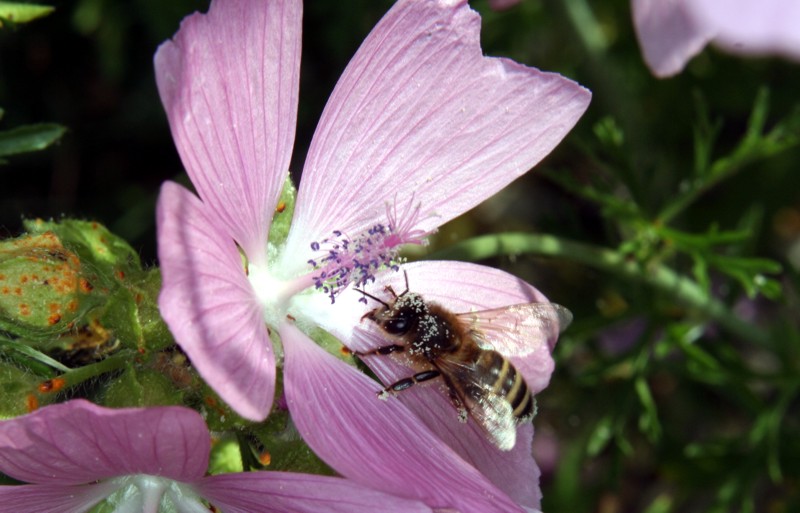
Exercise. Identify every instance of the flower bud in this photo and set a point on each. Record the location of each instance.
(42, 289)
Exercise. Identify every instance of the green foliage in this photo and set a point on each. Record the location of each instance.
(15, 12)
(28, 138)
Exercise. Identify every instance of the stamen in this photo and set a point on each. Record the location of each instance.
(355, 260)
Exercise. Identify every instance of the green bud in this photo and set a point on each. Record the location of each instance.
(137, 387)
(75, 290)
(110, 257)
(42, 288)
(154, 330)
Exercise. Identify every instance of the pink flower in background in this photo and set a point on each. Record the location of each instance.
(76, 454)
(420, 128)
(671, 32)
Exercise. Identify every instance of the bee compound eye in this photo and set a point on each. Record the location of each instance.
(396, 326)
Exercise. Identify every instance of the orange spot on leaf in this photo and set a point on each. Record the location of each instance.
(86, 287)
(52, 385)
(32, 403)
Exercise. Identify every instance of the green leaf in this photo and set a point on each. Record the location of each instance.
(29, 138)
(22, 13)
(600, 436)
(33, 354)
(662, 504)
(648, 420)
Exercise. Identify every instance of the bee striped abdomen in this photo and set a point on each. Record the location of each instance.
(507, 383)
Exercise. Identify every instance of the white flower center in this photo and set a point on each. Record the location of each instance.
(143, 492)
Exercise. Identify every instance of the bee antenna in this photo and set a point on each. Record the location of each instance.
(405, 273)
(367, 294)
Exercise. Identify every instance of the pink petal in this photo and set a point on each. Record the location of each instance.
(210, 306)
(286, 492)
(461, 287)
(377, 443)
(752, 27)
(54, 498)
(421, 118)
(668, 34)
(229, 83)
(78, 442)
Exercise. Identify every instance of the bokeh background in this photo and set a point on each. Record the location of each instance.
(657, 405)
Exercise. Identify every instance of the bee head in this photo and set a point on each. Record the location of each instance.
(399, 316)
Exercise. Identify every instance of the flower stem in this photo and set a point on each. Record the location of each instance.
(109, 364)
(684, 290)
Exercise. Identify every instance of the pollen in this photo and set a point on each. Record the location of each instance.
(346, 260)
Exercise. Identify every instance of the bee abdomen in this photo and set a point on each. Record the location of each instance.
(508, 383)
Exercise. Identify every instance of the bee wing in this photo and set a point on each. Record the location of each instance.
(490, 411)
(517, 330)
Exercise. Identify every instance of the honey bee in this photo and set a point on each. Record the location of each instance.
(464, 350)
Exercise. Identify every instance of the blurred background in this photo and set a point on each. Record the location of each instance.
(674, 207)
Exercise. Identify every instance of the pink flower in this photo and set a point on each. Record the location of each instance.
(76, 454)
(420, 128)
(673, 31)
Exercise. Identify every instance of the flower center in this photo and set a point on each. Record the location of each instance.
(142, 492)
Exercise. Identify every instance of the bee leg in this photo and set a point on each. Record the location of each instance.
(463, 413)
(408, 382)
(382, 350)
